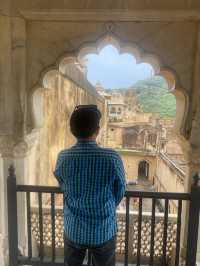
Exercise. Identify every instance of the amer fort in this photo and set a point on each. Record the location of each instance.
(43, 77)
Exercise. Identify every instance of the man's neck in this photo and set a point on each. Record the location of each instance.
(88, 139)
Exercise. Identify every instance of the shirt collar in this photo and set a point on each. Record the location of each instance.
(84, 141)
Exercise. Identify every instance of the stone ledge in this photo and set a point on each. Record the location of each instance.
(103, 15)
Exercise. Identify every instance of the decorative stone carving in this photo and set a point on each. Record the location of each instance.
(195, 140)
(6, 146)
(110, 27)
(61, 66)
(20, 149)
(32, 138)
(121, 218)
(4, 249)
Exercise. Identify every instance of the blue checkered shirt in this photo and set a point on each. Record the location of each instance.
(93, 181)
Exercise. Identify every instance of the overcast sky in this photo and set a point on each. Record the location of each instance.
(114, 70)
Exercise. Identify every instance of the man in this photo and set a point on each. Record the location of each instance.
(93, 181)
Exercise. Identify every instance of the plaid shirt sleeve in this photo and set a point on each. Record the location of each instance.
(119, 180)
(59, 169)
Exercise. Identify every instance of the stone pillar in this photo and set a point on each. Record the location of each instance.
(16, 155)
(192, 131)
(20, 162)
(193, 158)
(6, 159)
(19, 75)
(13, 76)
(195, 168)
(6, 104)
(195, 154)
(6, 124)
(12, 91)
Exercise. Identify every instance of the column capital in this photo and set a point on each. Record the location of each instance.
(32, 138)
(4, 249)
(20, 149)
(6, 146)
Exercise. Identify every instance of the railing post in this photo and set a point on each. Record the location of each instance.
(131, 236)
(12, 217)
(193, 224)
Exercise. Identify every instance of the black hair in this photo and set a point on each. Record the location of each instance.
(84, 121)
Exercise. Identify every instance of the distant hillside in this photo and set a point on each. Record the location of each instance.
(153, 96)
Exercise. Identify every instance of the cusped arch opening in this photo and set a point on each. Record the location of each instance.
(131, 49)
(50, 79)
(65, 66)
(38, 107)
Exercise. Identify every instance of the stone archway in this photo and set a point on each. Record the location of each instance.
(143, 170)
(19, 41)
(64, 67)
(69, 66)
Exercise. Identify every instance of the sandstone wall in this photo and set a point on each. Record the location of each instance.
(169, 178)
(58, 104)
(131, 160)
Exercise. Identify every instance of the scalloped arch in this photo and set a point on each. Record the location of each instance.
(37, 107)
(142, 160)
(130, 48)
(48, 77)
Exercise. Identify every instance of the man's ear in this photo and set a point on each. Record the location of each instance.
(98, 130)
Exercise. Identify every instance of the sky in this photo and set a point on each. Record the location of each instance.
(114, 70)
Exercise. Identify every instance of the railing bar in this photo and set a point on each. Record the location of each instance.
(127, 231)
(128, 193)
(43, 189)
(36, 262)
(28, 207)
(41, 248)
(164, 263)
(139, 231)
(158, 195)
(53, 225)
(152, 232)
(12, 217)
(178, 233)
(193, 223)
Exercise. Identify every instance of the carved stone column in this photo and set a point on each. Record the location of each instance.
(6, 159)
(193, 158)
(32, 141)
(195, 154)
(16, 154)
(195, 168)
(20, 161)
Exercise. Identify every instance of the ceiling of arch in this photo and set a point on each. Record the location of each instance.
(172, 43)
(107, 4)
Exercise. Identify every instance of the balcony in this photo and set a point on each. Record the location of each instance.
(143, 238)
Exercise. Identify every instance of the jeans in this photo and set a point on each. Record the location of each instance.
(102, 255)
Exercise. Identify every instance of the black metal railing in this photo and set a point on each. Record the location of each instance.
(29, 259)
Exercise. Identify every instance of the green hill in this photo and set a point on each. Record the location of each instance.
(153, 96)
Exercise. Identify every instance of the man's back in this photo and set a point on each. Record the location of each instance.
(92, 179)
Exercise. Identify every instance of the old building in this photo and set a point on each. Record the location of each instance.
(39, 39)
(147, 143)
